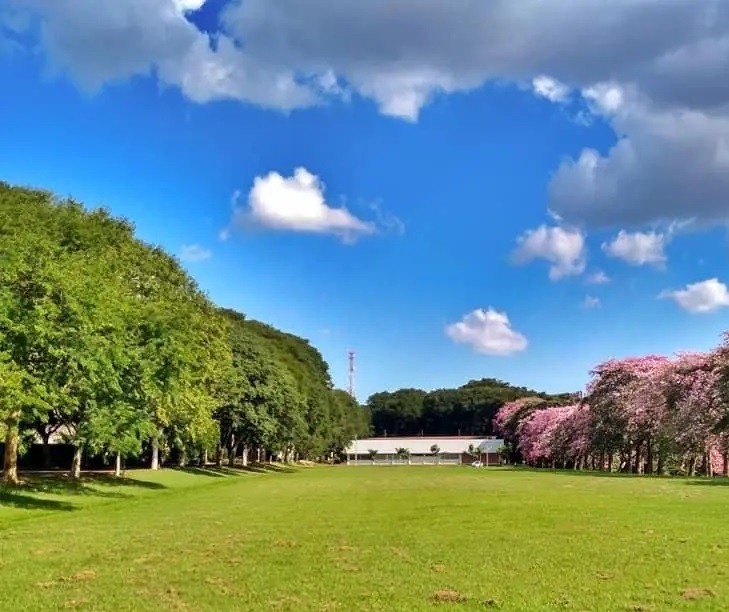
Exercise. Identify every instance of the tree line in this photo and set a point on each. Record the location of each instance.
(468, 410)
(109, 341)
(646, 415)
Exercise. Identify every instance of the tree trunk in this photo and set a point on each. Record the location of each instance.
(46, 450)
(692, 465)
(244, 456)
(649, 457)
(725, 465)
(183, 457)
(155, 454)
(638, 466)
(610, 462)
(659, 468)
(10, 465)
(117, 467)
(76, 463)
(232, 452)
(709, 467)
(204, 458)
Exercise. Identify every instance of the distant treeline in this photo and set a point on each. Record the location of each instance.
(467, 410)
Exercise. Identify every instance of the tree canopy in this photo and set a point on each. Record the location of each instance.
(466, 410)
(108, 340)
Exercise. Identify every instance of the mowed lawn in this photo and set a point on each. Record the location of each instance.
(366, 538)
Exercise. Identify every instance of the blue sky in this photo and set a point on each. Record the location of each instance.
(439, 193)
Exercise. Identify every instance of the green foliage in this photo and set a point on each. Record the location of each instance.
(110, 339)
(467, 410)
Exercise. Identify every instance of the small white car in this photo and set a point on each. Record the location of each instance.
(476, 464)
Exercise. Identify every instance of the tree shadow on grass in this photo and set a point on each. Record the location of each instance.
(62, 484)
(198, 471)
(709, 482)
(16, 499)
(689, 480)
(238, 470)
(275, 467)
(585, 473)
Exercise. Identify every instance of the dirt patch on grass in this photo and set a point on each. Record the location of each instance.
(438, 569)
(697, 593)
(172, 600)
(285, 544)
(448, 596)
(47, 584)
(82, 575)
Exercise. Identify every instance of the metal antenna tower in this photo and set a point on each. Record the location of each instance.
(350, 387)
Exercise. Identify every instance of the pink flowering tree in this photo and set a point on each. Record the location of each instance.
(697, 409)
(571, 437)
(536, 433)
(507, 421)
(627, 404)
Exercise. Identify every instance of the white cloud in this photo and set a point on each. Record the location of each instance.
(664, 91)
(194, 252)
(638, 248)
(98, 43)
(667, 165)
(297, 203)
(591, 302)
(702, 297)
(488, 332)
(606, 98)
(563, 248)
(550, 88)
(188, 5)
(598, 278)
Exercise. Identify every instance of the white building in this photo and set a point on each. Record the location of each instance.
(424, 450)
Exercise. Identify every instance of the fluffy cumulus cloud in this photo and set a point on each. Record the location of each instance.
(194, 252)
(488, 332)
(702, 297)
(663, 89)
(296, 203)
(668, 164)
(563, 248)
(638, 248)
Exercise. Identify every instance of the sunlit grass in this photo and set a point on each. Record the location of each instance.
(365, 538)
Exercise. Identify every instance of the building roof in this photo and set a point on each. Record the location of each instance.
(421, 445)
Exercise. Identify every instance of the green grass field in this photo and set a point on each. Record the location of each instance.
(366, 538)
